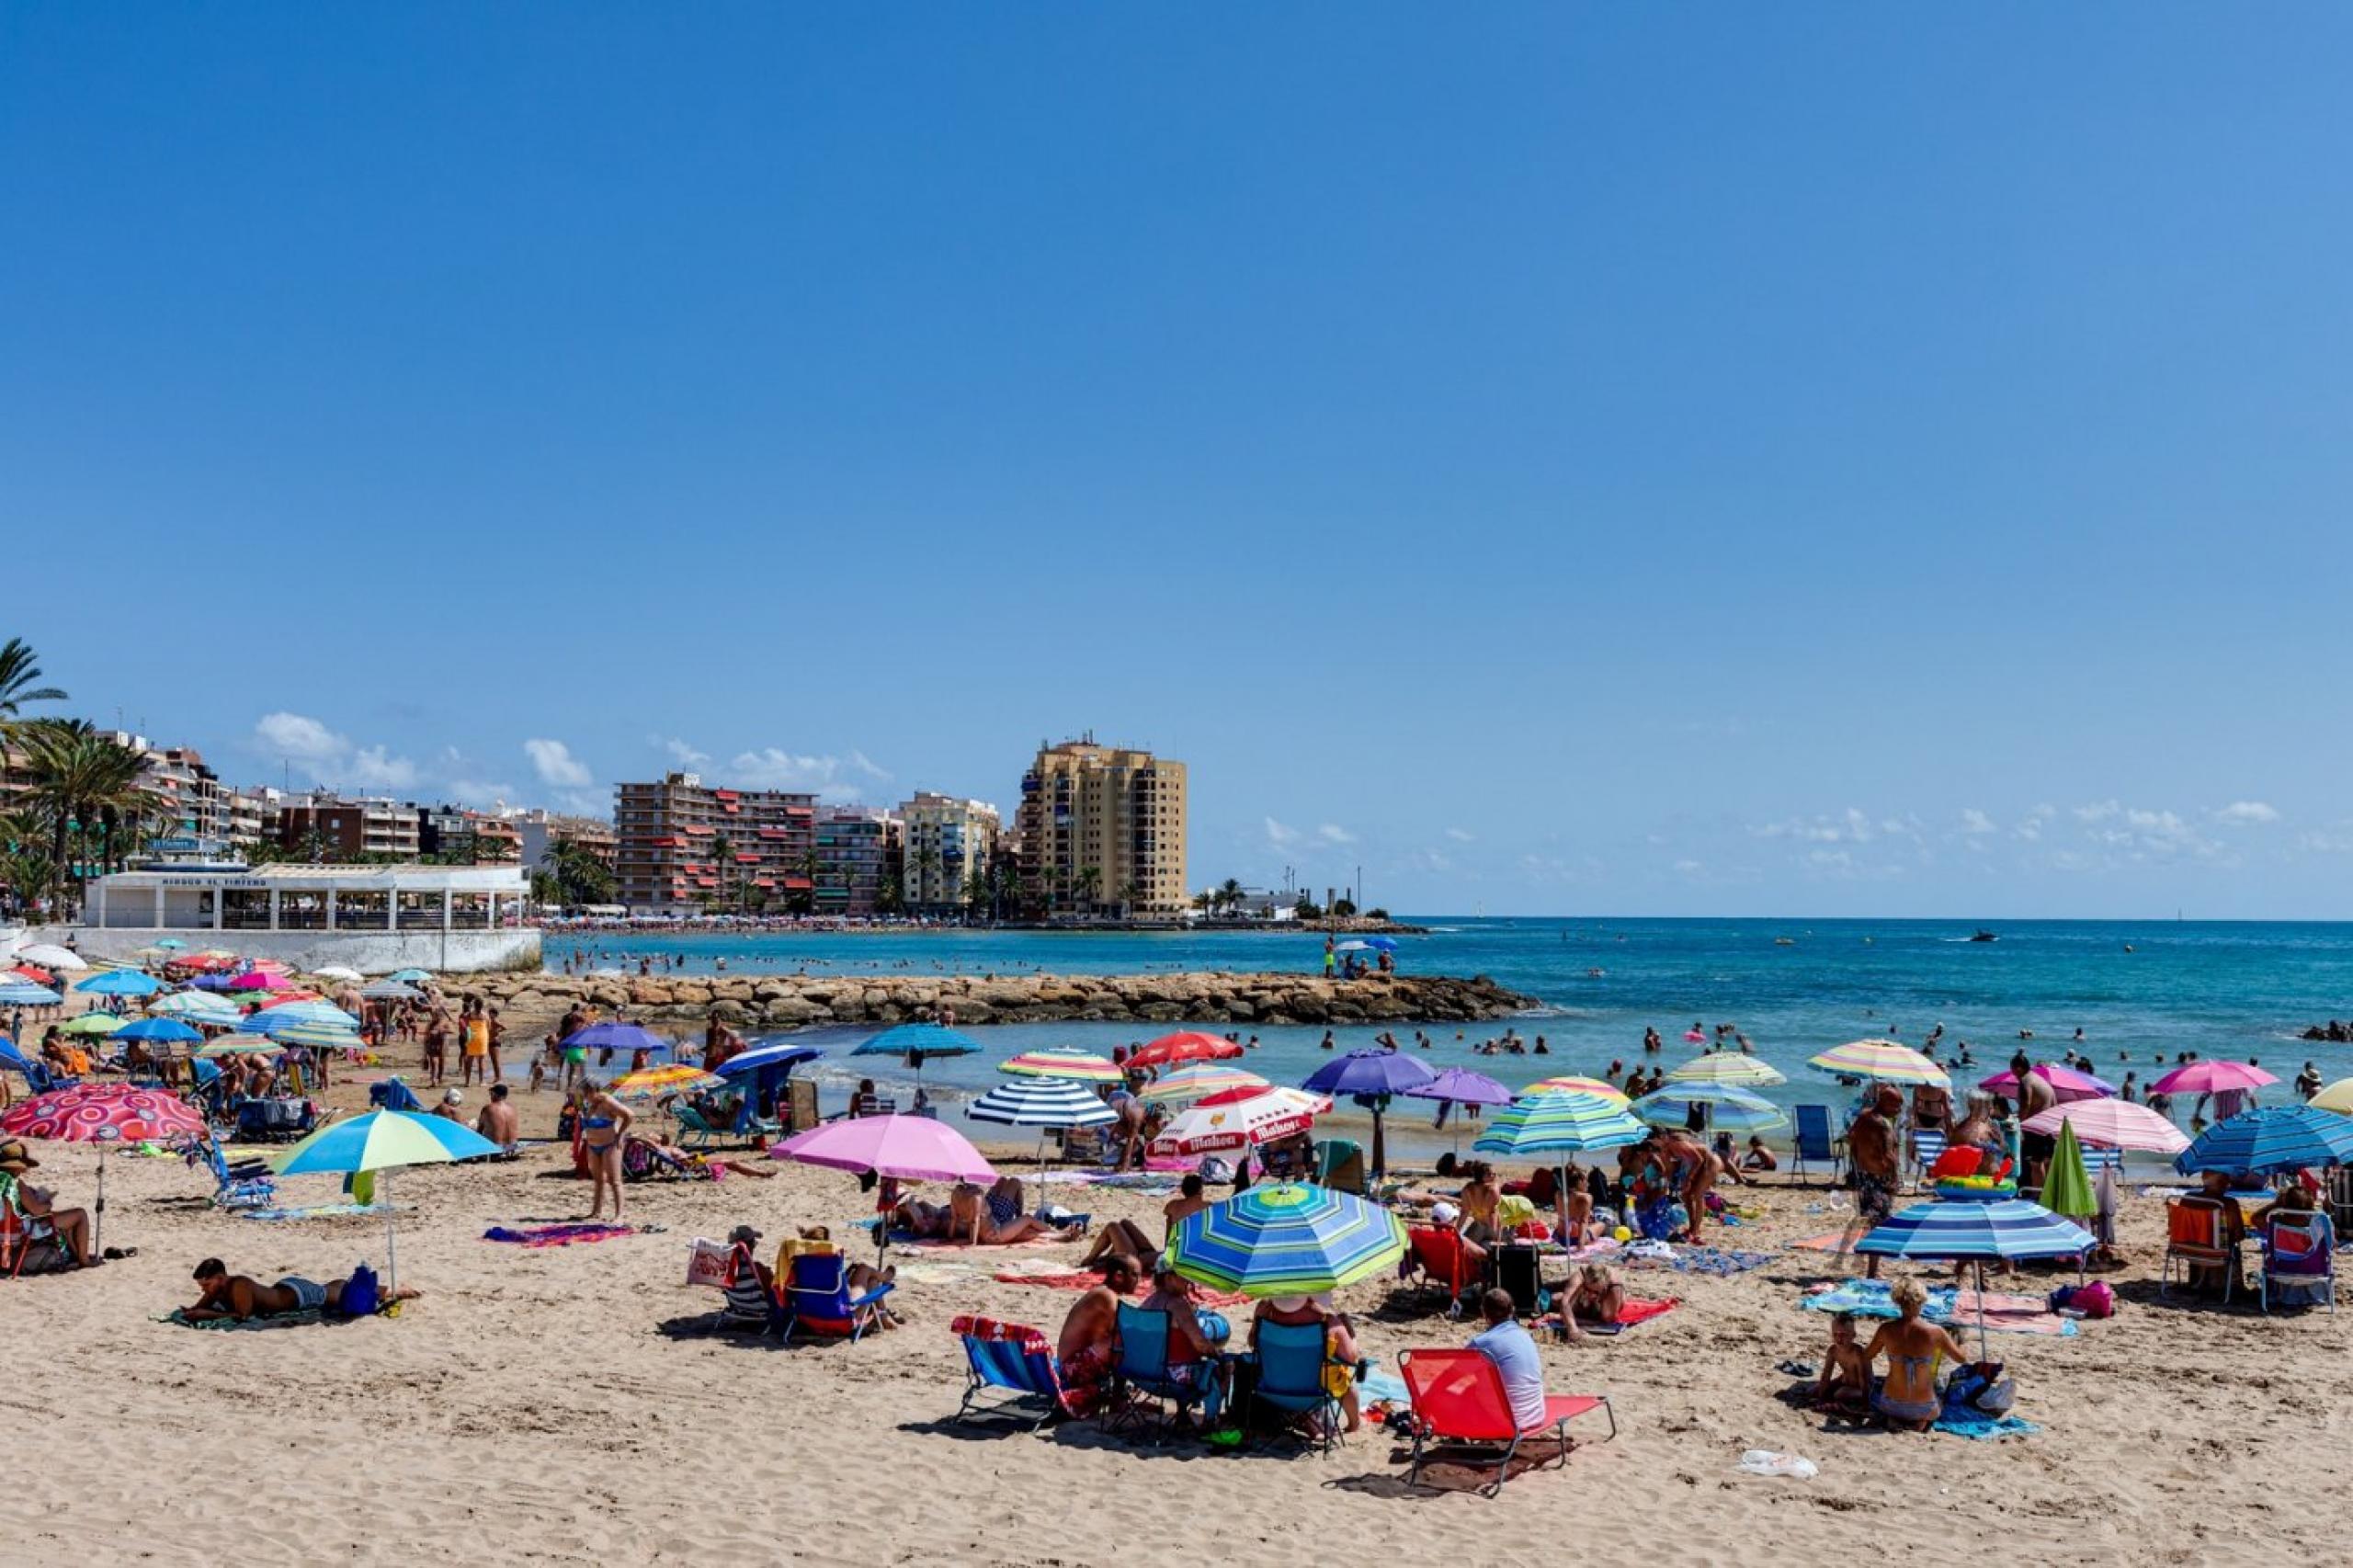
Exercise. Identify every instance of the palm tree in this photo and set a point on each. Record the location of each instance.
(928, 863)
(722, 854)
(580, 877)
(1131, 894)
(1005, 887)
(1090, 878)
(976, 888)
(809, 866)
(17, 673)
(1229, 892)
(82, 782)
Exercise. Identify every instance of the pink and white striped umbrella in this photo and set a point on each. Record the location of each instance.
(2112, 1124)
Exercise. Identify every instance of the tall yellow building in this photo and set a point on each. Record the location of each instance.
(1102, 832)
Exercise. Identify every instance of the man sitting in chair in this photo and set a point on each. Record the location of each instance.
(1513, 1350)
(1089, 1347)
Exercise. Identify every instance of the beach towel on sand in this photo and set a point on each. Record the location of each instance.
(556, 1235)
(1949, 1305)
(280, 1320)
(1634, 1312)
(322, 1211)
(1982, 1428)
(1718, 1262)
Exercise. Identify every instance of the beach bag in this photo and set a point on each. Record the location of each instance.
(1980, 1388)
(360, 1298)
(708, 1264)
(1214, 1169)
(2097, 1300)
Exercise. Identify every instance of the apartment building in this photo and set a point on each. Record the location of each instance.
(537, 829)
(682, 847)
(468, 837)
(857, 848)
(325, 826)
(946, 840)
(1103, 832)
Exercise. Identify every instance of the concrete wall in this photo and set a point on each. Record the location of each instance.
(370, 952)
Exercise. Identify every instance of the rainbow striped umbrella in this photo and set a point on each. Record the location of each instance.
(383, 1140)
(1085, 1066)
(1881, 1060)
(1199, 1081)
(1287, 1241)
(318, 1037)
(1573, 1084)
(1730, 1109)
(1727, 1067)
(199, 1006)
(1564, 1122)
(676, 1079)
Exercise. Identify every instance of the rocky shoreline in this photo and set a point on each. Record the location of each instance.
(777, 1002)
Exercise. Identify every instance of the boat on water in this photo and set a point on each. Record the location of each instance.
(1985, 935)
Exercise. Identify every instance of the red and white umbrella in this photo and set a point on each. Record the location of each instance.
(1238, 1120)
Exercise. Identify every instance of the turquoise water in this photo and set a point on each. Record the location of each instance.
(2139, 991)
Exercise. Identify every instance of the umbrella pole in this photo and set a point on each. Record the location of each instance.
(1985, 1352)
(1380, 1150)
(392, 1251)
(99, 1211)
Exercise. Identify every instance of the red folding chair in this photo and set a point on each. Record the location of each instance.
(1458, 1401)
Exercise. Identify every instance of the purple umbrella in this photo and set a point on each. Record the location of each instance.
(1459, 1085)
(211, 983)
(615, 1036)
(1373, 1076)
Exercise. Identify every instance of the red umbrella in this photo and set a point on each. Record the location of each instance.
(1189, 1045)
(36, 973)
(103, 1114)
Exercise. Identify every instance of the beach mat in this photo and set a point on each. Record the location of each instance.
(1632, 1313)
(556, 1235)
(325, 1211)
(1720, 1263)
(281, 1320)
(1982, 1428)
(1954, 1308)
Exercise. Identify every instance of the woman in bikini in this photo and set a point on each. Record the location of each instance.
(1907, 1396)
(604, 1126)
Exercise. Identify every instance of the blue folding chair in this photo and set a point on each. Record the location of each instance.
(1292, 1361)
(1013, 1360)
(1815, 1141)
(1142, 1383)
(816, 1297)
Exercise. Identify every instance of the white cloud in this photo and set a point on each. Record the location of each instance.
(2247, 814)
(480, 793)
(329, 757)
(1281, 836)
(1976, 824)
(298, 738)
(681, 753)
(555, 765)
(1688, 867)
(1459, 836)
(773, 767)
(2030, 827)
(1333, 832)
(371, 768)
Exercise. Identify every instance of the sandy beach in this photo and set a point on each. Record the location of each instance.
(550, 1405)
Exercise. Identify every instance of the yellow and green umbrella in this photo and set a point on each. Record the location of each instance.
(383, 1140)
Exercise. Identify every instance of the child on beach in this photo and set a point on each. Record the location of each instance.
(1845, 1382)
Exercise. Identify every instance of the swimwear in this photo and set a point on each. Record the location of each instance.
(1874, 1196)
(1909, 1410)
(309, 1295)
(1087, 1376)
(1002, 1210)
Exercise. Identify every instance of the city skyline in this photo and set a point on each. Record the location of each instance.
(1714, 462)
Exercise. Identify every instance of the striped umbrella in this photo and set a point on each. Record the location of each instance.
(1083, 1066)
(1186, 1045)
(1043, 1103)
(1564, 1121)
(383, 1140)
(1727, 1067)
(24, 993)
(104, 1114)
(91, 1024)
(1882, 1060)
(2111, 1124)
(241, 1045)
(675, 1077)
(1199, 1081)
(270, 1020)
(1970, 1230)
(120, 983)
(1223, 1123)
(1572, 1083)
(197, 1006)
(1287, 1240)
(1729, 1108)
(318, 1037)
(2282, 1137)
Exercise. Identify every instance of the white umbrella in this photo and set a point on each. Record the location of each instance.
(49, 955)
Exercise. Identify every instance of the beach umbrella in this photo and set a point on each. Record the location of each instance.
(1232, 1124)
(1732, 1108)
(91, 1024)
(260, 980)
(2066, 1083)
(1301, 1100)
(675, 1077)
(1186, 1045)
(1881, 1060)
(1564, 1121)
(1726, 1067)
(210, 983)
(49, 956)
(2337, 1097)
(270, 1020)
(159, 1031)
(2211, 1079)
(318, 1036)
(1459, 1086)
(1043, 1103)
(391, 991)
(761, 1057)
(1287, 1240)
(1972, 1230)
(1602, 1087)
(1078, 1065)
(1199, 1081)
(1353, 946)
(2111, 1124)
(120, 983)
(2068, 1187)
(242, 1045)
(916, 1043)
(201, 1006)
(1372, 1076)
(27, 994)
(33, 972)
(1384, 944)
(337, 972)
(2281, 1138)
(104, 1114)
(617, 1034)
(170, 944)
(383, 1140)
(411, 976)
(910, 1148)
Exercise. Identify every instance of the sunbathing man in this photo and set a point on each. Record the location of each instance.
(1089, 1347)
(228, 1295)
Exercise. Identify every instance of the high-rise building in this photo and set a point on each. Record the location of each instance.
(1103, 832)
(683, 846)
(326, 826)
(538, 828)
(189, 801)
(856, 845)
(945, 841)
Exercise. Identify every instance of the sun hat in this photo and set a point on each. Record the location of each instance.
(453, 1097)
(743, 1233)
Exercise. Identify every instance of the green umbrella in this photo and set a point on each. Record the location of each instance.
(2068, 1188)
(92, 1022)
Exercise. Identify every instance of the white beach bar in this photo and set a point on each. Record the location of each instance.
(373, 918)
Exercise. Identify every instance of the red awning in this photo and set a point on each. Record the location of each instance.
(797, 882)
(749, 859)
(800, 811)
(706, 881)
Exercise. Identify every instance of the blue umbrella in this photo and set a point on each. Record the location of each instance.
(383, 1140)
(29, 994)
(1385, 944)
(121, 982)
(9, 1055)
(765, 1056)
(1043, 1103)
(2280, 1138)
(211, 983)
(1459, 1086)
(1373, 1076)
(1973, 1230)
(919, 1039)
(614, 1036)
(164, 1031)
(1287, 1241)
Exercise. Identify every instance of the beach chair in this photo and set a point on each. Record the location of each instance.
(1927, 1148)
(693, 1131)
(2197, 1237)
(247, 1184)
(1142, 1383)
(1339, 1165)
(1458, 1401)
(1014, 1361)
(1293, 1362)
(1439, 1262)
(2299, 1260)
(749, 1304)
(1815, 1141)
(816, 1297)
(20, 1233)
(641, 1160)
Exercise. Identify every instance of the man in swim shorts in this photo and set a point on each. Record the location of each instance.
(227, 1295)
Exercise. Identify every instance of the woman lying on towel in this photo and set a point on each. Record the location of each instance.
(228, 1295)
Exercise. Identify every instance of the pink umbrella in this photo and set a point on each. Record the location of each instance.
(104, 1114)
(257, 980)
(2065, 1082)
(2212, 1077)
(913, 1148)
(2113, 1124)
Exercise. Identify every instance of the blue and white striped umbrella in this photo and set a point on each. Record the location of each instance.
(1287, 1241)
(1973, 1229)
(27, 994)
(199, 1006)
(2277, 1138)
(1567, 1121)
(1730, 1109)
(270, 1020)
(1042, 1102)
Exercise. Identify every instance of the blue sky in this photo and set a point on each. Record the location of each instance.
(1736, 459)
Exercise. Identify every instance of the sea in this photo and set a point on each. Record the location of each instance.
(2140, 992)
